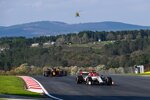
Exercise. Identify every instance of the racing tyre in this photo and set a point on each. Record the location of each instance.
(89, 81)
(45, 74)
(109, 81)
(79, 79)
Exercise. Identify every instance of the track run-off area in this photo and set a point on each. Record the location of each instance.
(126, 88)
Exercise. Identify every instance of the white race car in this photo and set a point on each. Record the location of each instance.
(91, 78)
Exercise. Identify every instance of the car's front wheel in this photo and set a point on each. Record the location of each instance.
(89, 81)
(109, 81)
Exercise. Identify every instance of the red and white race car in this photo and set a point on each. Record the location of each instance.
(92, 77)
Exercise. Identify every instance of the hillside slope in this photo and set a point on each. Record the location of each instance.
(55, 28)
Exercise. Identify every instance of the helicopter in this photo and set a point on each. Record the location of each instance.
(77, 14)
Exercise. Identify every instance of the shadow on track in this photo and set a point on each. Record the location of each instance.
(87, 97)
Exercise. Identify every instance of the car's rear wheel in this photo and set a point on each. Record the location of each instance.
(79, 79)
(45, 74)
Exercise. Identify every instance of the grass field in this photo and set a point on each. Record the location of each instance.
(146, 73)
(15, 86)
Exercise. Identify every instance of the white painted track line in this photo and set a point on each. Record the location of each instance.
(35, 86)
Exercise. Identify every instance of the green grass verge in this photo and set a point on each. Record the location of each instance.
(146, 73)
(3, 99)
(14, 86)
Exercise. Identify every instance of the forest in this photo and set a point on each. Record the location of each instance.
(84, 49)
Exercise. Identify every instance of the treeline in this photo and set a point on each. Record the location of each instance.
(81, 37)
(113, 49)
(90, 36)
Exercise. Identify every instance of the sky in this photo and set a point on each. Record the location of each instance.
(24, 11)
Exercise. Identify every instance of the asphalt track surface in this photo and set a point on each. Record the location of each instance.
(126, 88)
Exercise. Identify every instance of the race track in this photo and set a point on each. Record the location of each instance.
(126, 88)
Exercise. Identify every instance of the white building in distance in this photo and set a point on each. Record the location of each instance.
(35, 45)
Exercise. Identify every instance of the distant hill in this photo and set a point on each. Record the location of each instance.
(55, 28)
